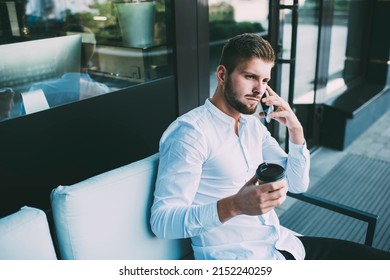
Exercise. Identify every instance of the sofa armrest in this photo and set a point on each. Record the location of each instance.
(25, 235)
(369, 218)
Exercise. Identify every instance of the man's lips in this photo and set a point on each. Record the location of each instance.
(253, 99)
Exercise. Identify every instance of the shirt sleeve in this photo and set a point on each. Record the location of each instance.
(298, 166)
(296, 162)
(173, 214)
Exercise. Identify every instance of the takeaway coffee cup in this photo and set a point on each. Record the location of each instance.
(269, 172)
(265, 173)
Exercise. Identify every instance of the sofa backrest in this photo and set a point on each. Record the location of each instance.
(107, 216)
(25, 235)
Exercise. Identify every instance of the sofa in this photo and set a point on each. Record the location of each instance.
(25, 235)
(102, 217)
(107, 217)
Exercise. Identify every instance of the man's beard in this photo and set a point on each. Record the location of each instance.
(231, 98)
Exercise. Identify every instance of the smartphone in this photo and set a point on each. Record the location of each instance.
(267, 109)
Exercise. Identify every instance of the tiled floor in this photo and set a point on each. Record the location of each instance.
(375, 142)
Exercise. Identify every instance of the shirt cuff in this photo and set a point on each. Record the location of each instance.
(298, 150)
(209, 216)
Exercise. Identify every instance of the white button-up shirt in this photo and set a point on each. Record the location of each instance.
(202, 160)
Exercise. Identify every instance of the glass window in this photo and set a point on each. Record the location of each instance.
(230, 18)
(305, 67)
(347, 42)
(306, 48)
(338, 39)
(56, 51)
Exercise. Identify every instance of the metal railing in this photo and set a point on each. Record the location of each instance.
(369, 218)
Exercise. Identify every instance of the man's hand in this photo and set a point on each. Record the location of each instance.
(253, 199)
(284, 115)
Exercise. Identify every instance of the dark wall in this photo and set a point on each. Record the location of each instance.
(70, 143)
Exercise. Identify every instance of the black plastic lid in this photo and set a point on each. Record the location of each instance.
(269, 172)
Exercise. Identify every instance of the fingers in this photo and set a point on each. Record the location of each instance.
(273, 194)
(279, 114)
(259, 199)
(274, 186)
(269, 200)
(282, 110)
(275, 100)
(252, 200)
(271, 91)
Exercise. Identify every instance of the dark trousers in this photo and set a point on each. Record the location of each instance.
(319, 248)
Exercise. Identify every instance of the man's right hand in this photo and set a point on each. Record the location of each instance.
(253, 199)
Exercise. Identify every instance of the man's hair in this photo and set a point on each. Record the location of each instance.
(243, 47)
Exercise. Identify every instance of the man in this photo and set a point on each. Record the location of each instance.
(206, 189)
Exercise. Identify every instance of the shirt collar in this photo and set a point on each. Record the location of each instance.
(221, 115)
(215, 111)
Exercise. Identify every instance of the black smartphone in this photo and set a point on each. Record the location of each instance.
(267, 109)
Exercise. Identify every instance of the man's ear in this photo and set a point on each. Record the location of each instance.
(221, 73)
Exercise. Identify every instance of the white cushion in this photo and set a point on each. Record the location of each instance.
(107, 216)
(25, 235)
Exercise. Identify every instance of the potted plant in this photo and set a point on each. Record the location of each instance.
(136, 21)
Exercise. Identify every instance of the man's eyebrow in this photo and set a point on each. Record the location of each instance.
(254, 75)
(249, 73)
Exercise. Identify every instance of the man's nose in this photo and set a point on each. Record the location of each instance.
(259, 88)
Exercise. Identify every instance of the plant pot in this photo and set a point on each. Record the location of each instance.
(136, 21)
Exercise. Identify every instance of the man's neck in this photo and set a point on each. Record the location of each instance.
(219, 102)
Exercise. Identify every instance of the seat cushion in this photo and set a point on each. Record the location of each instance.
(25, 235)
(107, 216)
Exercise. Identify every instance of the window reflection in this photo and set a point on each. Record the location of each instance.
(338, 39)
(6, 103)
(120, 44)
(347, 41)
(42, 61)
(44, 18)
